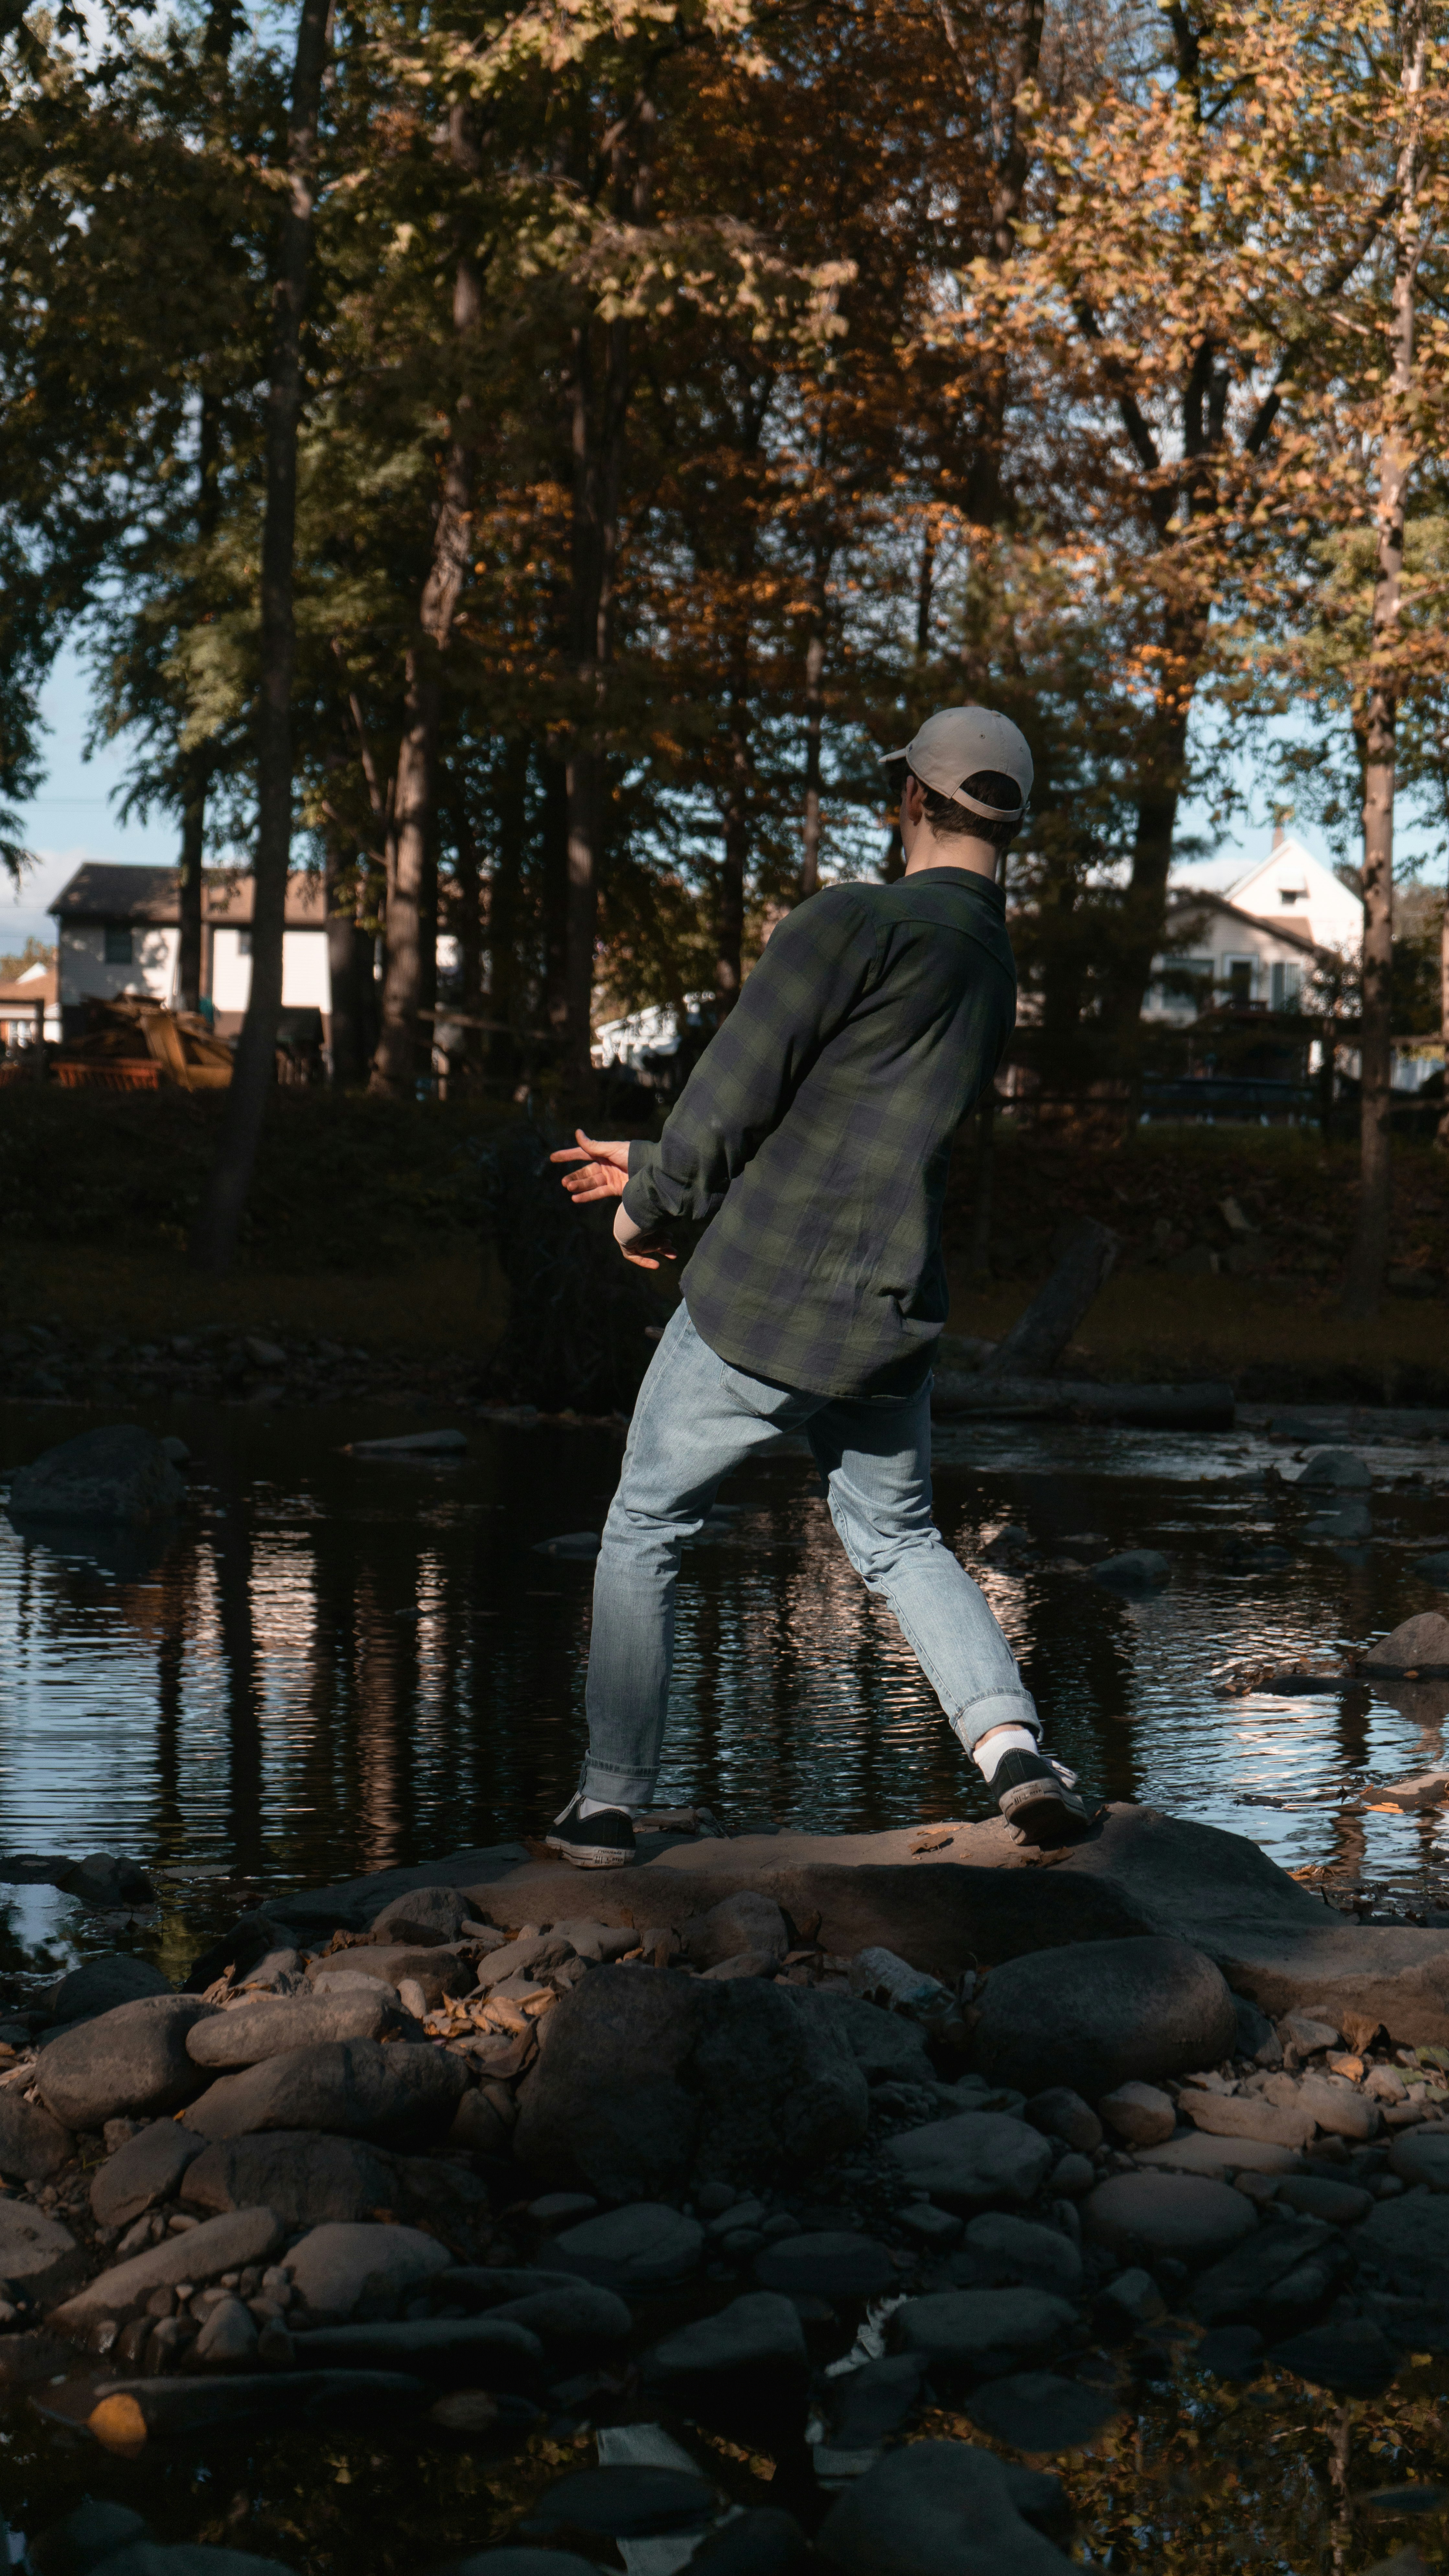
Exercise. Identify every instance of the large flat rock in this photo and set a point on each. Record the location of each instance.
(948, 1896)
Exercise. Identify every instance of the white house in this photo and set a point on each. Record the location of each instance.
(21, 1001)
(1261, 940)
(118, 931)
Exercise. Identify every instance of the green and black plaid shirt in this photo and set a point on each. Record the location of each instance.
(816, 1131)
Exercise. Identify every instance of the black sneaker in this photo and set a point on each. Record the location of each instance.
(604, 1840)
(1040, 1798)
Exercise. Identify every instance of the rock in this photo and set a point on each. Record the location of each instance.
(652, 2082)
(1139, 2114)
(1339, 2204)
(485, 2128)
(189, 2558)
(228, 2340)
(1354, 2360)
(425, 1916)
(635, 2248)
(1259, 2283)
(132, 2059)
(33, 2146)
(985, 2331)
(1247, 2115)
(202, 2254)
(278, 1972)
(1256, 2036)
(736, 1924)
(1144, 2216)
(38, 2257)
(887, 2048)
(977, 2157)
(147, 2169)
(625, 2503)
(1002, 2248)
(451, 2352)
(305, 2177)
(1329, 2101)
(582, 1546)
(746, 1963)
(1137, 1569)
(1135, 2298)
(405, 2094)
(1301, 2032)
(762, 2541)
(866, 2406)
(90, 2532)
(1339, 1469)
(1103, 2014)
(761, 2330)
(1349, 1524)
(935, 2509)
(1419, 1643)
(1435, 1570)
(26, 2358)
(1422, 2157)
(1036, 2411)
(128, 2410)
(118, 1474)
(521, 2562)
(438, 1968)
(348, 2268)
(1072, 2175)
(249, 2034)
(1061, 2113)
(100, 1984)
(566, 2312)
(935, 2227)
(1230, 2352)
(1195, 2152)
(103, 1878)
(826, 2266)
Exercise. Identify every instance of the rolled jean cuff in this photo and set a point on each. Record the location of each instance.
(617, 1788)
(997, 1708)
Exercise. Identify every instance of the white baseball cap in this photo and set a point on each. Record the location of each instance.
(955, 743)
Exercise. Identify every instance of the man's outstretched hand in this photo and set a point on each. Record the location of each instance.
(601, 1171)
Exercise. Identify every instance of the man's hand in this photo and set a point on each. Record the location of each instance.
(645, 1250)
(603, 1171)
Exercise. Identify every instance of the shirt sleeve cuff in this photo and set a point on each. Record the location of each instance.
(639, 1199)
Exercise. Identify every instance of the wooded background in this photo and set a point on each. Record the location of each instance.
(526, 463)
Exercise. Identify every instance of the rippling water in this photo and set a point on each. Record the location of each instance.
(333, 1665)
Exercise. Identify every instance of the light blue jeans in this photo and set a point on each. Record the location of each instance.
(696, 1419)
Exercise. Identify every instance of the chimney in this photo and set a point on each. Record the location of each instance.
(1279, 835)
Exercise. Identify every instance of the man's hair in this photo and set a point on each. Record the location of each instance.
(950, 821)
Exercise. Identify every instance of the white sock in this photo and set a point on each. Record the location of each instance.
(1002, 1739)
(598, 1807)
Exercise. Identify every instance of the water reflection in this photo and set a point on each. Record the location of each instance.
(331, 1666)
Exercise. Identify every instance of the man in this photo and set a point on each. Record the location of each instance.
(816, 1132)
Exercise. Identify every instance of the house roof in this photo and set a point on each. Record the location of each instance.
(1185, 900)
(37, 984)
(103, 891)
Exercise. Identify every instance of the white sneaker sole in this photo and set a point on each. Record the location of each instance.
(590, 1855)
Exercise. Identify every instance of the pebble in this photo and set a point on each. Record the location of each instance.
(1036, 2411)
(979, 2156)
(828, 2266)
(356, 2268)
(634, 2248)
(1072, 2175)
(1421, 2157)
(1003, 2248)
(1061, 2113)
(931, 2507)
(1341, 2204)
(203, 2253)
(557, 2208)
(983, 2330)
(1135, 2296)
(1179, 2215)
(759, 2329)
(228, 2339)
(1140, 2114)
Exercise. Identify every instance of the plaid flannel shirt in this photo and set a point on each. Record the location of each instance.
(816, 1132)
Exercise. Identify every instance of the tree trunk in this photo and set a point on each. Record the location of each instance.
(598, 466)
(219, 1223)
(810, 851)
(730, 901)
(1038, 1338)
(555, 904)
(1363, 1284)
(410, 968)
(348, 959)
(190, 886)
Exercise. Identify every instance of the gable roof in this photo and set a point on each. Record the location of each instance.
(1290, 856)
(1185, 900)
(103, 890)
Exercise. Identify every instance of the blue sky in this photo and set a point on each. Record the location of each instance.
(73, 818)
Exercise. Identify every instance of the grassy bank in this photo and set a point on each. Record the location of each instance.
(365, 1229)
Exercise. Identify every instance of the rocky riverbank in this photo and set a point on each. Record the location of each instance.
(795, 2139)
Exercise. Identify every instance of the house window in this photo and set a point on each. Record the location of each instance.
(1238, 977)
(1286, 984)
(244, 943)
(120, 944)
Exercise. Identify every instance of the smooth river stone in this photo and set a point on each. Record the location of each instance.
(124, 2063)
(979, 2156)
(403, 2094)
(250, 2033)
